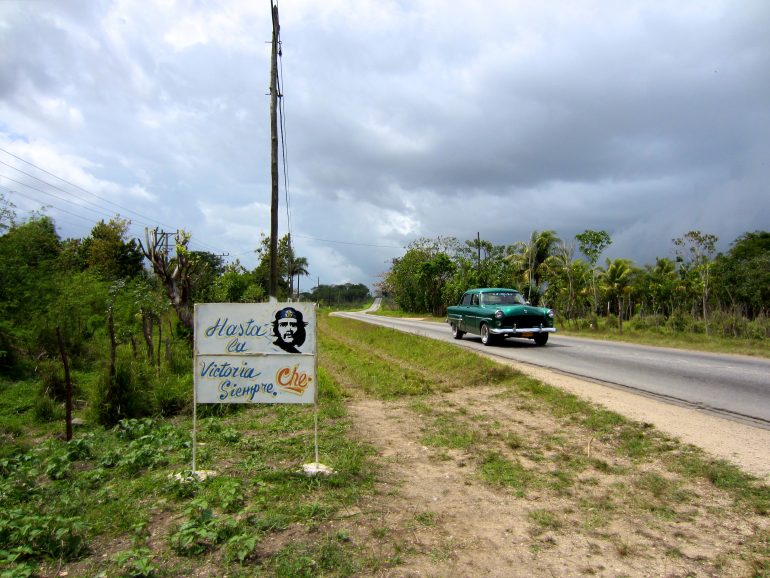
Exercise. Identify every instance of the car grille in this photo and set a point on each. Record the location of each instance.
(527, 321)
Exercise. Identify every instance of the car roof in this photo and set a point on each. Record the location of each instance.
(492, 290)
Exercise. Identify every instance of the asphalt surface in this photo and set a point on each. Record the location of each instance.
(732, 386)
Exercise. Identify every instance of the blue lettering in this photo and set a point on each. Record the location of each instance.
(231, 390)
(214, 369)
(223, 328)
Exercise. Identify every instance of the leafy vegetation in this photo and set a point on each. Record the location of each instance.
(698, 291)
(106, 503)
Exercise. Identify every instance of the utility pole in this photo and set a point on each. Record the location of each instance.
(274, 154)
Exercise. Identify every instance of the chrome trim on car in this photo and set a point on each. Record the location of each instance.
(516, 330)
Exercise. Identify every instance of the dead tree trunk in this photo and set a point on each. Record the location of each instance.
(175, 274)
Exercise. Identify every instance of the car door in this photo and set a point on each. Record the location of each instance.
(463, 310)
(472, 314)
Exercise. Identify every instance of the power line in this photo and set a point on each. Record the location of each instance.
(101, 210)
(69, 183)
(51, 195)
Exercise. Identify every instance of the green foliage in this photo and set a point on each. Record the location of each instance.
(416, 281)
(47, 410)
(128, 393)
(345, 295)
(109, 254)
(136, 563)
(693, 293)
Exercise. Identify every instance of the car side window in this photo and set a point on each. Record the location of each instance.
(466, 299)
(475, 299)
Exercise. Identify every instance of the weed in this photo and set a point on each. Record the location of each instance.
(498, 471)
(449, 433)
(136, 563)
(199, 533)
(545, 519)
(426, 518)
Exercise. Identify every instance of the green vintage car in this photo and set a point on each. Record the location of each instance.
(495, 313)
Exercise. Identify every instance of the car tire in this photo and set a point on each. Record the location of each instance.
(541, 339)
(456, 333)
(486, 336)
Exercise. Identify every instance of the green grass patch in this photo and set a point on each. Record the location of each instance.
(496, 470)
(448, 432)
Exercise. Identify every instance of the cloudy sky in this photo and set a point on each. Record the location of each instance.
(404, 119)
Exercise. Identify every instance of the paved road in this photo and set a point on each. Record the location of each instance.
(733, 386)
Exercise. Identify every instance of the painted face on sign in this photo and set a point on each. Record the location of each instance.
(289, 329)
(286, 329)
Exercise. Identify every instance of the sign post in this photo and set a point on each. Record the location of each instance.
(256, 353)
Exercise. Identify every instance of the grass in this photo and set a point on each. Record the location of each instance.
(104, 504)
(678, 340)
(63, 500)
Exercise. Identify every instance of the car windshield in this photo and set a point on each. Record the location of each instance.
(507, 298)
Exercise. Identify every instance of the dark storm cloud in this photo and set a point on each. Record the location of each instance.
(405, 119)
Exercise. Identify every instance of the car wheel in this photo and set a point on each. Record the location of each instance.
(541, 339)
(456, 333)
(486, 337)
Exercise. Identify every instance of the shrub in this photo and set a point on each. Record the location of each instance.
(173, 394)
(51, 375)
(47, 410)
(127, 394)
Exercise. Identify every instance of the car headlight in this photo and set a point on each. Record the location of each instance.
(550, 313)
(499, 314)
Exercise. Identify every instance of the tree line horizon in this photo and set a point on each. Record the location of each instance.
(689, 290)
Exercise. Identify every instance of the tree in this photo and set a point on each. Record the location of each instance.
(208, 269)
(403, 282)
(7, 214)
(565, 277)
(297, 267)
(696, 251)
(434, 275)
(29, 254)
(528, 257)
(174, 272)
(592, 244)
(743, 274)
(109, 253)
(288, 265)
(616, 283)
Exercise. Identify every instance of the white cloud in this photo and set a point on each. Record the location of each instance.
(403, 119)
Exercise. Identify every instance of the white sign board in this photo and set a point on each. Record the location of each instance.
(255, 353)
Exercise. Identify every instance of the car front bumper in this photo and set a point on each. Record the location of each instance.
(523, 331)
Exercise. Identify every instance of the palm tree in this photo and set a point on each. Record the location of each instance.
(616, 283)
(528, 259)
(297, 266)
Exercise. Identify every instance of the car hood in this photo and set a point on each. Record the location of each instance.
(509, 310)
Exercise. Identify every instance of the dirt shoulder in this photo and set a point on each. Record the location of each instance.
(743, 445)
(434, 514)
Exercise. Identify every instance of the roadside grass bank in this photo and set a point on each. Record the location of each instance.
(583, 473)
(106, 505)
(695, 341)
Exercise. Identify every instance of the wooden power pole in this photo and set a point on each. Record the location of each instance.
(274, 154)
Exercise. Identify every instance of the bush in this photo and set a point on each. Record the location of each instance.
(127, 394)
(173, 394)
(51, 375)
(47, 410)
